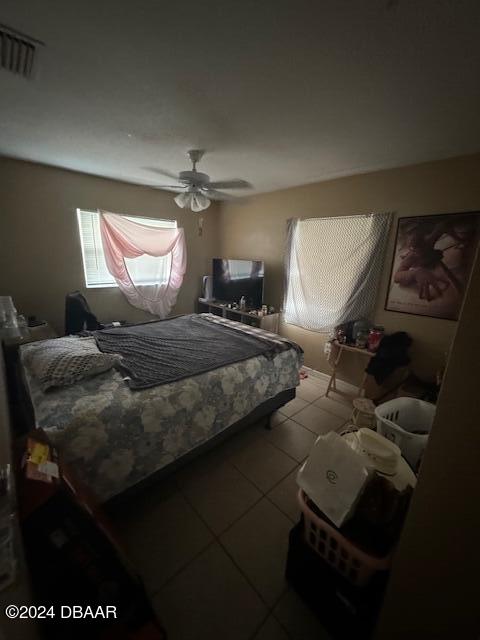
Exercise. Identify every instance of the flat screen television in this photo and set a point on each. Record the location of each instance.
(233, 279)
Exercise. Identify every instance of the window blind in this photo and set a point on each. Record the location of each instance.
(143, 270)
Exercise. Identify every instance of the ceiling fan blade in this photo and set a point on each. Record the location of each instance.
(162, 172)
(174, 187)
(229, 184)
(171, 186)
(213, 194)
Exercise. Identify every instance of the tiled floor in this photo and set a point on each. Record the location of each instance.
(211, 541)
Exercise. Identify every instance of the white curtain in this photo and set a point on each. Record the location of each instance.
(333, 267)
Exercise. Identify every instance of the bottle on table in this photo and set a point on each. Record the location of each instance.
(361, 339)
(360, 326)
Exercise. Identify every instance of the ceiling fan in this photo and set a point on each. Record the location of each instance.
(196, 191)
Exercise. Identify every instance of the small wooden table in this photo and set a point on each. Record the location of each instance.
(342, 348)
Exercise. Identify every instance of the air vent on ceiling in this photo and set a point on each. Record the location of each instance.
(18, 52)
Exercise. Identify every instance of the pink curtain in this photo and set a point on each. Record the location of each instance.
(122, 238)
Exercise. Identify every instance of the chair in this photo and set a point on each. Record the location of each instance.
(78, 315)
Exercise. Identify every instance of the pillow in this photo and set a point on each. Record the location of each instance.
(63, 361)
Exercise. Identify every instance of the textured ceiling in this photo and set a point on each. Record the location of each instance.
(279, 93)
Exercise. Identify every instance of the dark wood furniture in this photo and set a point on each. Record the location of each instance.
(74, 558)
(19, 592)
(269, 322)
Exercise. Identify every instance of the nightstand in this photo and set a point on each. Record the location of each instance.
(41, 332)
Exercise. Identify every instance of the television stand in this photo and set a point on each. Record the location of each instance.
(270, 322)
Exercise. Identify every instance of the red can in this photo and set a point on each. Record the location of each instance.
(375, 337)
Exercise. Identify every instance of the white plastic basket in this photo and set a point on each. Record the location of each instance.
(398, 418)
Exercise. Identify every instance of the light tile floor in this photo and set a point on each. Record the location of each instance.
(211, 541)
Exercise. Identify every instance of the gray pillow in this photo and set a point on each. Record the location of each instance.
(63, 361)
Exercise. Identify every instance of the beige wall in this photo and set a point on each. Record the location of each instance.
(256, 228)
(433, 591)
(40, 258)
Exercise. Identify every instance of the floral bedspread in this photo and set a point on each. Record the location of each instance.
(116, 437)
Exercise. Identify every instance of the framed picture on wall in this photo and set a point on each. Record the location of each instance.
(431, 264)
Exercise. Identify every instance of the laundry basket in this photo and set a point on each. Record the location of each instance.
(351, 562)
(399, 419)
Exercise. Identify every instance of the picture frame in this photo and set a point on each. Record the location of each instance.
(431, 263)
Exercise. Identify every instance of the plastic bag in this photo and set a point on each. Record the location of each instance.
(334, 476)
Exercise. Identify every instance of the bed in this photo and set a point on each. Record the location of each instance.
(120, 439)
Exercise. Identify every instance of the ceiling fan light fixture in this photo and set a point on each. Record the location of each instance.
(181, 200)
(193, 200)
(199, 202)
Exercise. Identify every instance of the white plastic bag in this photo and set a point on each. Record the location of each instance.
(334, 476)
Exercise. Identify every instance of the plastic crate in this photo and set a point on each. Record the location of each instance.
(398, 418)
(346, 611)
(355, 565)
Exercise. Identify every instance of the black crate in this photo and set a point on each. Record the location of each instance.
(346, 611)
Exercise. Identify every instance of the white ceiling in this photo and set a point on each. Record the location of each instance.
(280, 93)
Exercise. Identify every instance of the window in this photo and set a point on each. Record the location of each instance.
(143, 270)
(241, 269)
(333, 269)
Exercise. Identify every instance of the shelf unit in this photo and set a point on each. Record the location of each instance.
(269, 322)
